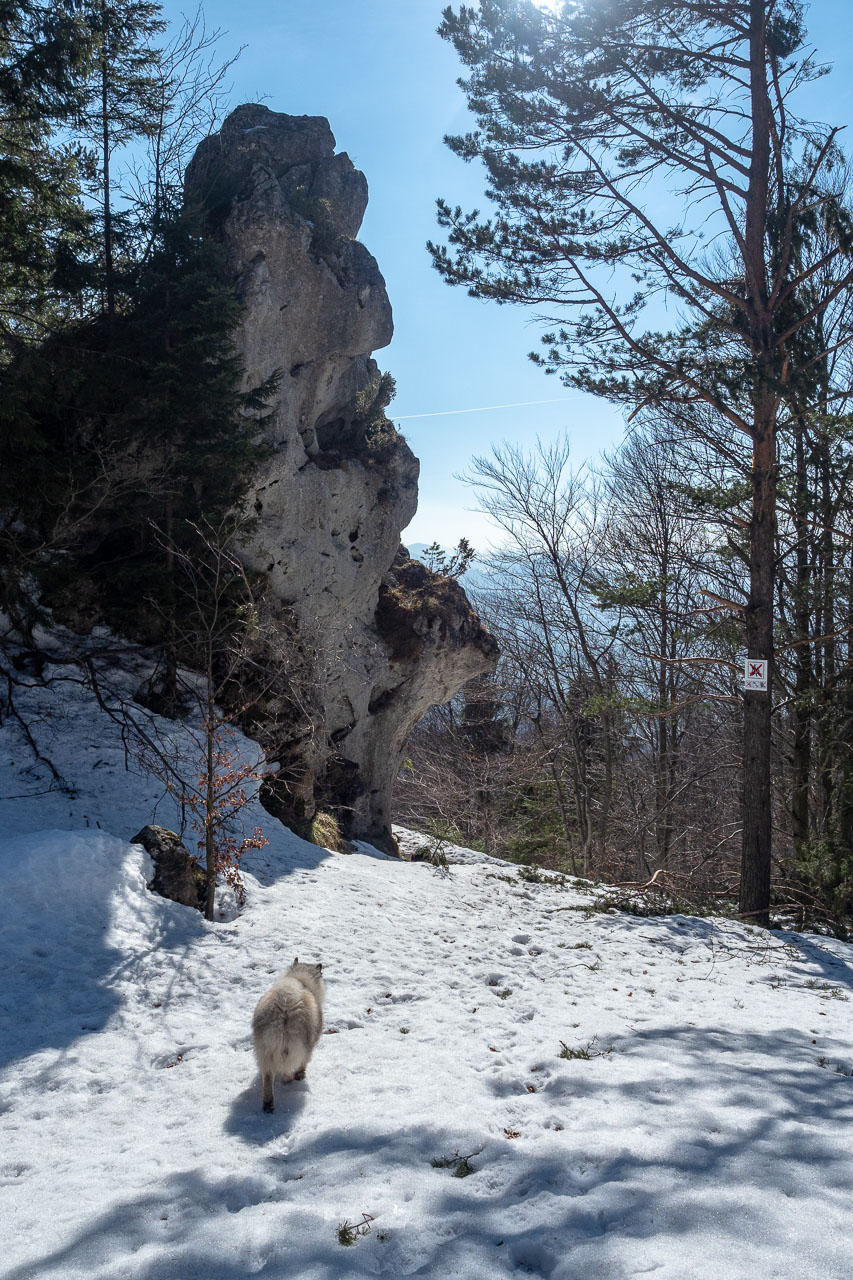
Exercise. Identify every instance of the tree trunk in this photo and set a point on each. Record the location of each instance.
(803, 678)
(607, 787)
(665, 729)
(829, 749)
(109, 272)
(755, 865)
(210, 800)
(845, 736)
(170, 639)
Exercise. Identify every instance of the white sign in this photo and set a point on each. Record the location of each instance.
(755, 674)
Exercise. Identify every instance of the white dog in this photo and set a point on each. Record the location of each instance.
(286, 1025)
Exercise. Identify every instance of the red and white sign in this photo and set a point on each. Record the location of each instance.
(755, 674)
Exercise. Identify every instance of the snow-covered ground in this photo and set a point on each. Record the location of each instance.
(704, 1135)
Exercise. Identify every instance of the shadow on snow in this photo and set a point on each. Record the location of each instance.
(586, 1212)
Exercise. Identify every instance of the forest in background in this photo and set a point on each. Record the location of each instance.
(609, 740)
(648, 164)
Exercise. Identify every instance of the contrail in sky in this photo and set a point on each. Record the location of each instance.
(447, 413)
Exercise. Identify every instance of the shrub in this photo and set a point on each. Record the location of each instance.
(325, 831)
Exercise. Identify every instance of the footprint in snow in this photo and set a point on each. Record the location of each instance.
(176, 1056)
(533, 1259)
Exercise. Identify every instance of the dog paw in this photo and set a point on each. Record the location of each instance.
(269, 1106)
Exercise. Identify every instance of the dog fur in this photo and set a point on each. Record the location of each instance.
(286, 1025)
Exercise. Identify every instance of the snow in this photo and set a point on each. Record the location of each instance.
(704, 1136)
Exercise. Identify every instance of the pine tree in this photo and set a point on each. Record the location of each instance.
(200, 425)
(591, 120)
(45, 50)
(124, 105)
(144, 428)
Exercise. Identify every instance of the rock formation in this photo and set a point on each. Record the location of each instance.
(176, 874)
(386, 637)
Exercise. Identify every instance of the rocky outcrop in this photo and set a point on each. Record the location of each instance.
(387, 638)
(176, 874)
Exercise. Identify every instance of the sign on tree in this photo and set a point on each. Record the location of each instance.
(755, 674)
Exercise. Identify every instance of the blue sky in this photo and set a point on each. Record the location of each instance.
(387, 84)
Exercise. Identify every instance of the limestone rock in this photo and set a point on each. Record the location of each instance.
(388, 637)
(176, 875)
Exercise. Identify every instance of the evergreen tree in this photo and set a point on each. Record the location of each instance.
(124, 105)
(200, 427)
(45, 50)
(145, 430)
(591, 120)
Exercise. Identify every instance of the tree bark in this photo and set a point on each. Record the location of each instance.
(755, 864)
(756, 852)
(210, 797)
(803, 678)
(109, 272)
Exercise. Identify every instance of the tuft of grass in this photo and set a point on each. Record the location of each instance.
(505, 994)
(326, 832)
(461, 1165)
(839, 1071)
(532, 875)
(348, 1232)
(585, 1052)
(831, 993)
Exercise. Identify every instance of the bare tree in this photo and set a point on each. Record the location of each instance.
(244, 667)
(672, 659)
(556, 532)
(191, 96)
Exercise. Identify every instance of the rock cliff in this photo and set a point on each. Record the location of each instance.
(384, 637)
